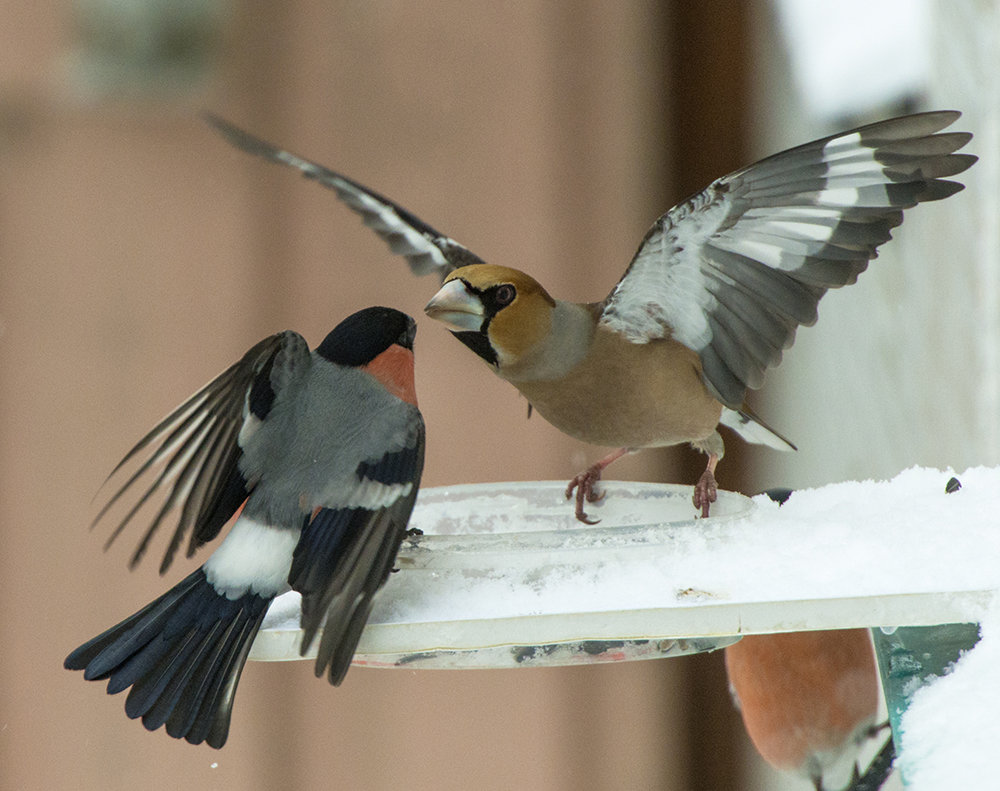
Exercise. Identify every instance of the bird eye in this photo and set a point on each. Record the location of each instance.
(505, 294)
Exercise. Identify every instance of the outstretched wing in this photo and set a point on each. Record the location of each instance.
(427, 250)
(734, 270)
(192, 456)
(346, 551)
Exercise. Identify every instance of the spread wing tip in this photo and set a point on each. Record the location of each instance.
(426, 250)
(240, 138)
(733, 271)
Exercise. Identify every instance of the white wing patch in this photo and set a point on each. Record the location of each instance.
(839, 196)
(793, 213)
(847, 143)
(367, 493)
(665, 290)
(373, 494)
(772, 255)
(787, 229)
(403, 238)
(250, 425)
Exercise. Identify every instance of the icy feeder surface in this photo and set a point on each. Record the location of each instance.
(523, 520)
(504, 575)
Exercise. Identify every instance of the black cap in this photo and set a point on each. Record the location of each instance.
(364, 335)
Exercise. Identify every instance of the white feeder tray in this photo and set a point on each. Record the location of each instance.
(505, 576)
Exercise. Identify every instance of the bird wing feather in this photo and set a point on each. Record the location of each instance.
(426, 250)
(733, 271)
(347, 549)
(192, 456)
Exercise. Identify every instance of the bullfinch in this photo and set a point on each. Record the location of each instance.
(323, 451)
(809, 700)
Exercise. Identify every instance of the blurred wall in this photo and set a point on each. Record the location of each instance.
(902, 368)
(140, 255)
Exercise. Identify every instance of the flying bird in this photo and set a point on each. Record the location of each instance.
(707, 305)
(809, 701)
(323, 452)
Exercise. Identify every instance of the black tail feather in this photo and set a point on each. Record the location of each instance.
(878, 770)
(182, 655)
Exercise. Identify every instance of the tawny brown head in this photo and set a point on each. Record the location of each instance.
(498, 312)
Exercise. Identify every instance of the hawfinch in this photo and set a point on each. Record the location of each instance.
(323, 452)
(710, 300)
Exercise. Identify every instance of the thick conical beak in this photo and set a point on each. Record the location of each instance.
(456, 307)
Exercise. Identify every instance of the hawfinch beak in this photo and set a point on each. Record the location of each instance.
(454, 306)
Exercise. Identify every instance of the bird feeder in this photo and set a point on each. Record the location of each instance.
(503, 575)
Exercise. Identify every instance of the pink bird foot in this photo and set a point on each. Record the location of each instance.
(706, 490)
(584, 483)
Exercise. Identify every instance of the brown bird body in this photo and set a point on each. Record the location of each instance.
(589, 380)
(709, 302)
(657, 388)
(569, 367)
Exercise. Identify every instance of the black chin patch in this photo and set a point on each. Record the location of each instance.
(478, 342)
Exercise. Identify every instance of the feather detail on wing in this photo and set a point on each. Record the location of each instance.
(193, 454)
(732, 272)
(749, 426)
(426, 250)
(346, 552)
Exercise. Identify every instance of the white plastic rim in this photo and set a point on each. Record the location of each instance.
(504, 575)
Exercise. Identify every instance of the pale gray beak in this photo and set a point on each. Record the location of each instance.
(456, 307)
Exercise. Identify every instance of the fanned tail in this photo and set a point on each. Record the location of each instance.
(182, 654)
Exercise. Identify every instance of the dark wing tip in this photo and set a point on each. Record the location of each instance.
(939, 189)
(926, 123)
(942, 117)
(927, 170)
(948, 116)
(239, 137)
(426, 249)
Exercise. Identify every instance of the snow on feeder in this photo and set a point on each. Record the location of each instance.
(505, 576)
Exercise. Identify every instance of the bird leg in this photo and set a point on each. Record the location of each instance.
(705, 491)
(584, 484)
